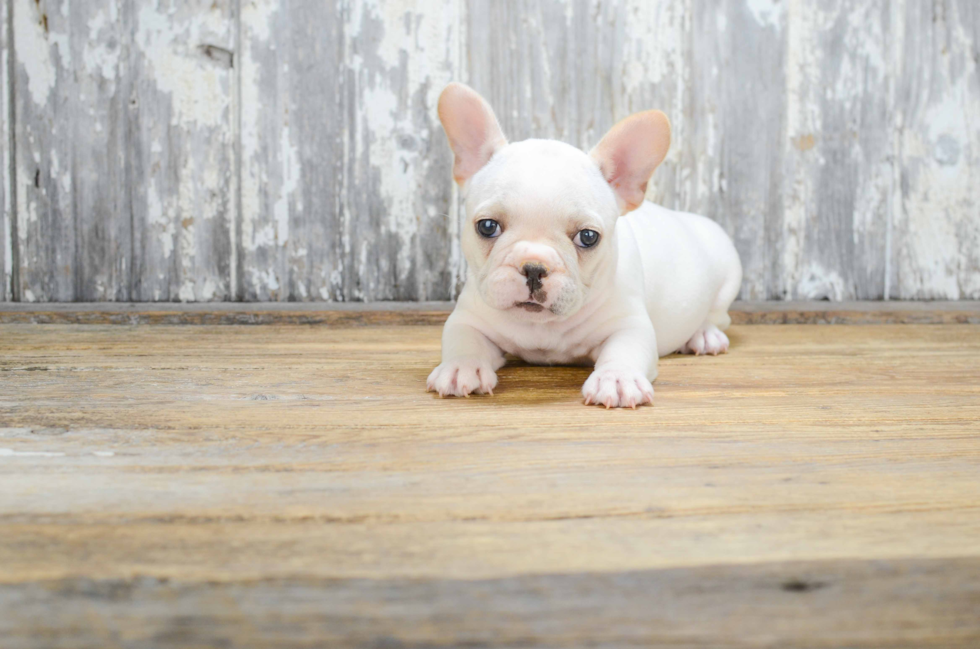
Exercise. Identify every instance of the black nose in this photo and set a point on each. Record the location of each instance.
(533, 273)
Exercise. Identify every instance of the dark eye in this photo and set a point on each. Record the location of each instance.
(488, 228)
(586, 238)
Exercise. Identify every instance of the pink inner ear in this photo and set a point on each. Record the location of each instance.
(630, 152)
(472, 129)
(630, 184)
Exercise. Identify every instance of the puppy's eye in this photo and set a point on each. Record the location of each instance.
(488, 228)
(586, 238)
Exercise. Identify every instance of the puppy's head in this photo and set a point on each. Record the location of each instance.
(540, 213)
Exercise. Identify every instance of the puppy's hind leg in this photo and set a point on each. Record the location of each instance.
(710, 337)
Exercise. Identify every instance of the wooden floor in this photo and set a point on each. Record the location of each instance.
(165, 486)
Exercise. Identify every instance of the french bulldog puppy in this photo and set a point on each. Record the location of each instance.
(567, 264)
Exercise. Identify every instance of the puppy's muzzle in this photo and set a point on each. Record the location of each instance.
(534, 273)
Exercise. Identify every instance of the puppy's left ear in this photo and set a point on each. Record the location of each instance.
(630, 152)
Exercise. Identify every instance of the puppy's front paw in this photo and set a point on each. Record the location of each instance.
(615, 387)
(709, 339)
(461, 377)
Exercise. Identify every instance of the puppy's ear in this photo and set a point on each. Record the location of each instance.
(629, 153)
(472, 128)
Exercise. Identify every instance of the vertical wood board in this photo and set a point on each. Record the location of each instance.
(837, 151)
(72, 227)
(937, 120)
(292, 156)
(731, 158)
(346, 173)
(181, 143)
(397, 219)
(6, 160)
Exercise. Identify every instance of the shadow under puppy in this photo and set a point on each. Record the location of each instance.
(568, 264)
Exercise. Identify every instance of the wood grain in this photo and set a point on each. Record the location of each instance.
(435, 313)
(124, 149)
(938, 143)
(261, 151)
(786, 605)
(6, 159)
(737, 85)
(293, 106)
(339, 120)
(295, 486)
(69, 125)
(832, 241)
(182, 142)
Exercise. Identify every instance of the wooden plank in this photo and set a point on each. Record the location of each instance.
(398, 211)
(346, 177)
(814, 487)
(181, 142)
(904, 603)
(832, 241)
(124, 150)
(435, 313)
(6, 160)
(731, 153)
(70, 123)
(937, 201)
(268, 313)
(822, 312)
(291, 243)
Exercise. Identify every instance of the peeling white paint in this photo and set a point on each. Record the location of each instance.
(187, 293)
(802, 69)
(818, 283)
(385, 130)
(768, 13)
(6, 159)
(33, 51)
(170, 48)
(257, 18)
(939, 251)
(653, 47)
(290, 182)
(101, 54)
(268, 279)
(162, 224)
(397, 55)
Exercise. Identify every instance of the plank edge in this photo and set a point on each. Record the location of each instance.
(435, 313)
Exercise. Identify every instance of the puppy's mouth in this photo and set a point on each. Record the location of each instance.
(533, 307)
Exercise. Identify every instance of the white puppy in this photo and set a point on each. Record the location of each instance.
(556, 276)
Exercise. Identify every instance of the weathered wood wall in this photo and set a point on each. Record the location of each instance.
(194, 150)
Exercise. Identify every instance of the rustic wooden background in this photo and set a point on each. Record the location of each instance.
(196, 150)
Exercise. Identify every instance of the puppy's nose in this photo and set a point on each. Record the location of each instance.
(533, 272)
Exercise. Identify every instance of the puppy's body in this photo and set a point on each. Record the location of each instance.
(691, 272)
(557, 276)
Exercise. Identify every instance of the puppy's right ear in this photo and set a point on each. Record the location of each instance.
(472, 128)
